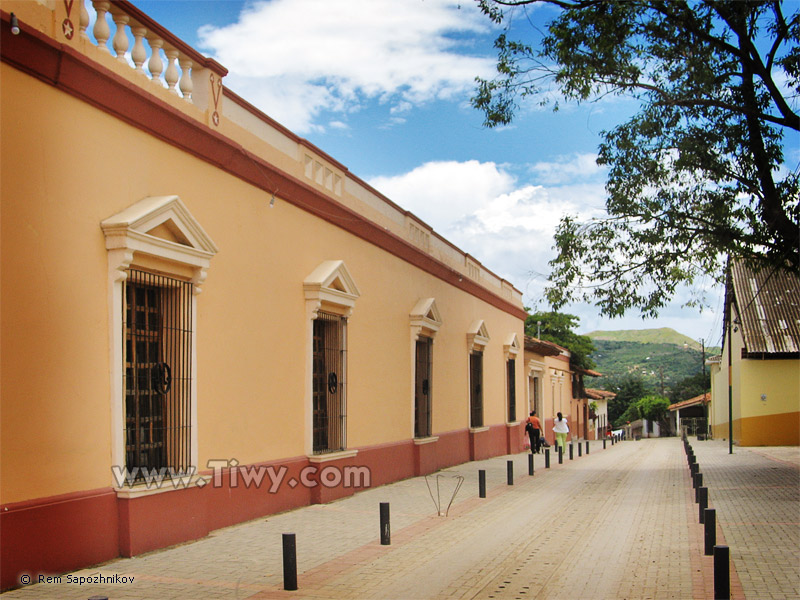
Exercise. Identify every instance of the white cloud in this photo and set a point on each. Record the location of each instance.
(508, 225)
(443, 193)
(566, 169)
(484, 210)
(297, 59)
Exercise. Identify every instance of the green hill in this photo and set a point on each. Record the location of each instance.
(661, 357)
(664, 335)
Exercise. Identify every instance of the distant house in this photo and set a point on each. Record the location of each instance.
(761, 350)
(691, 414)
(598, 417)
(550, 381)
(581, 424)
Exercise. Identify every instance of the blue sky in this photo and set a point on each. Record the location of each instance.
(383, 86)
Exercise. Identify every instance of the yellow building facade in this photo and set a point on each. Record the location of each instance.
(206, 319)
(755, 382)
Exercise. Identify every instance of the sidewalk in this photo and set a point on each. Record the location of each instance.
(756, 495)
(617, 523)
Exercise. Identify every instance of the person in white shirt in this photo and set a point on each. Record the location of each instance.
(561, 429)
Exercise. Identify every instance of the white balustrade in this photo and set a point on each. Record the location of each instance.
(120, 41)
(185, 83)
(101, 29)
(84, 24)
(139, 53)
(171, 75)
(156, 66)
(176, 75)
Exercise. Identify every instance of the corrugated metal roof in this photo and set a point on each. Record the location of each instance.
(594, 394)
(701, 399)
(768, 302)
(542, 347)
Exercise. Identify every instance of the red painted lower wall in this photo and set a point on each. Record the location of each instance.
(57, 534)
(72, 531)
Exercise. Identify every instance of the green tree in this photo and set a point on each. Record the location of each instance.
(559, 328)
(699, 172)
(628, 389)
(690, 387)
(653, 408)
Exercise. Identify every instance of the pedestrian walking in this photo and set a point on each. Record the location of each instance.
(534, 429)
(561, 429)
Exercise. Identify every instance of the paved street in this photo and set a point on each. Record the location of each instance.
(617, 523)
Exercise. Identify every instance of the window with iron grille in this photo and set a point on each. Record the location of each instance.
(329, 384)
(157, 330)
(422, 387)
(476, 388)
(512, 390)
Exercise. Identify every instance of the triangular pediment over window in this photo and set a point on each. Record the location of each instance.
(511, 347)
(154, 225)
(161, 228)
(477, 335)
(331, 283)
(425, 315)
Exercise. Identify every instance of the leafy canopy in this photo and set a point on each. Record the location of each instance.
(559, 328)
(699, 172)
(652, 408)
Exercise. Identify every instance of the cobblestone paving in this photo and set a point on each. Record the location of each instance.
(617, 523)
(756, 495)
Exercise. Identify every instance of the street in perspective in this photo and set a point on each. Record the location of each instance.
(620, 521)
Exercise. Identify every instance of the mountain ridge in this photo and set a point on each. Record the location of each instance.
(661, 335)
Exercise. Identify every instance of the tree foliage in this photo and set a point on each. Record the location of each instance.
(699, 172)
(559, 328)
(628, 389)
(652, 408)
(690, 387)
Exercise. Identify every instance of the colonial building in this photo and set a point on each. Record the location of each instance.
(759, 402)
(196, 300)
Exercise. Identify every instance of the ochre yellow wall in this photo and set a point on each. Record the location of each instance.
(774, 421)
(556, 390)
(769, 430)
(65, 168)
(54, 430)
(778, 380)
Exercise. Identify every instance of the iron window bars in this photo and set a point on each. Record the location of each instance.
(329, 383)
(422, 388)
(476, 388)
(512, 390)
(158, 373)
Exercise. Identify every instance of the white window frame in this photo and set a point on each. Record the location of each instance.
(134, 237)
(425, 321)
(329, 288)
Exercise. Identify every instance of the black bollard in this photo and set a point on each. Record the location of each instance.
(604, 443)
(570, 450)
(710, 531)
(481, 483)
(530, 464)
(580, 451)
(547, 458)
(722, 573)
(702, 501)
(510, 472)
(698, 483)
(587, 447)
(289, 562)
(560, 455)
(386, 532)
